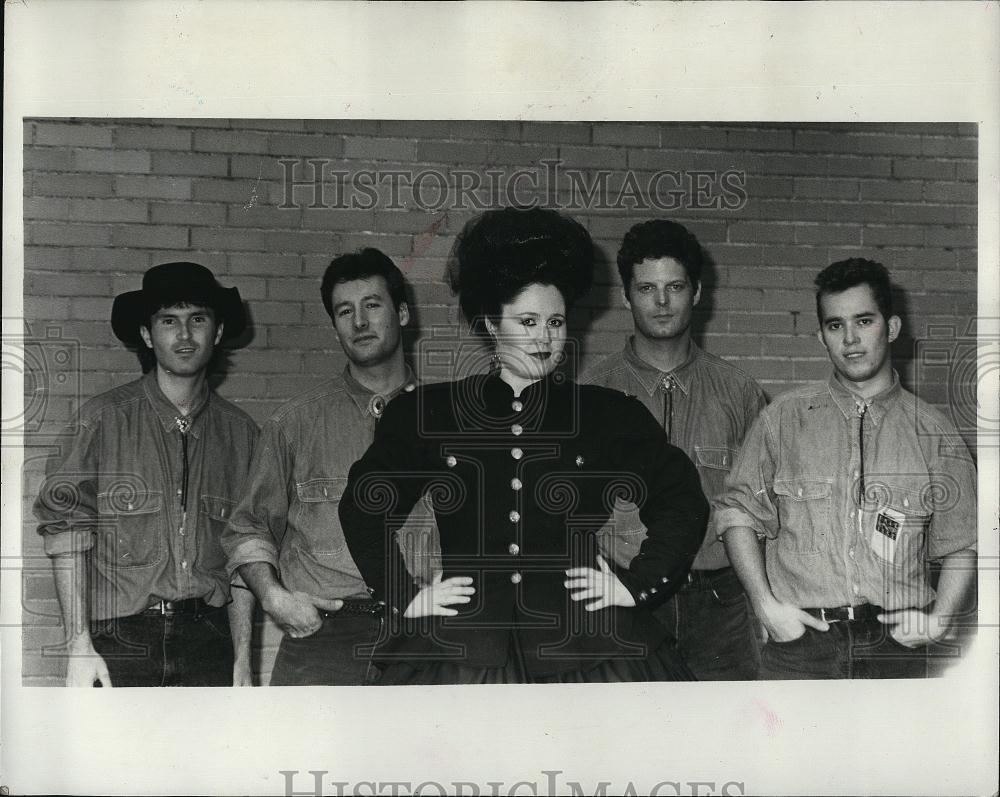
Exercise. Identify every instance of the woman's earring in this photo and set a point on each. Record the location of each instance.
(495, 357)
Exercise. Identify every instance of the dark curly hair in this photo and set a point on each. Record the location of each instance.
(844, 274)
(661, 238)
(364, 264)
(503, 251)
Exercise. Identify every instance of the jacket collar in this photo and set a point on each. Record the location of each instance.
(488, 405)
(495, 391)
(168, 414)
(651, 377)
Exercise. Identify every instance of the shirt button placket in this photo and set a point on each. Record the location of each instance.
(180, 529)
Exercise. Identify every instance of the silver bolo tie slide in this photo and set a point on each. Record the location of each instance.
(376, 406)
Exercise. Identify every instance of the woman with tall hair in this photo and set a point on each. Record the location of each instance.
(523, 467)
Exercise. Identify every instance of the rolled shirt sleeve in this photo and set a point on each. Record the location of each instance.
(257, 525)
(952, 494)
(748, 499)
(66, 505)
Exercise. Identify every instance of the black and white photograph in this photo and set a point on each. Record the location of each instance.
(471, 432)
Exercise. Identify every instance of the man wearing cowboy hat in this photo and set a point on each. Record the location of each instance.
(285, 537)
(132, 513)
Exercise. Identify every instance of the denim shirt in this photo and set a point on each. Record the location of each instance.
(840, 529)
(706, 405)
(117, 494)
(288, 516)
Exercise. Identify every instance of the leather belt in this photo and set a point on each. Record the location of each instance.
(355, 608)
(706, 577)
(846, 614)
(193, 606)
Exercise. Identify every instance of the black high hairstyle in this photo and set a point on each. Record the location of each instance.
(501, 252)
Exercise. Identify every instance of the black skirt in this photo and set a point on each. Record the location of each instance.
(664, 663)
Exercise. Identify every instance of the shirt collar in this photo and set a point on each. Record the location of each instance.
(372, 404)
(849, 402)
(651, 377)
(167, 413)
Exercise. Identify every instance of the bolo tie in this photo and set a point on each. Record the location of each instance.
(376, 406)
(667, 386)
(862, 407)
(183, 424)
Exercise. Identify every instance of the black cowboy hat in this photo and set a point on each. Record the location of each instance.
(172, 283)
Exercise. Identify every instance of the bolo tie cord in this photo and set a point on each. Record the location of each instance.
(183, 424)
(667, 385)
(862, 410)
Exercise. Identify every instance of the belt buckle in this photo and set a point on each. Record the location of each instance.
(848, 612)
(168, 608)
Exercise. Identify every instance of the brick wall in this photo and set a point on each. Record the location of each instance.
(106, 199)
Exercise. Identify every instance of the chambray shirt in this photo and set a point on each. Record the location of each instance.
(288, 513)
(706, 405)
(841, 530)
(117, 493)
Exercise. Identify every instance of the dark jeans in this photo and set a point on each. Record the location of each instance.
(853, 649)
(714, 626)
(339, 654)
(172, 650)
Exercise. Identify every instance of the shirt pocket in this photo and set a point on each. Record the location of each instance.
(803, 513)
(132, 528)
(895, 523)
(215, 514)
(317, 519)
(714, 463)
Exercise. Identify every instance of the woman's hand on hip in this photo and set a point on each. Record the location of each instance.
(601, 586)
(437, 597)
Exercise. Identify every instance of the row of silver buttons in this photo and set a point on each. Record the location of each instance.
(515, 484)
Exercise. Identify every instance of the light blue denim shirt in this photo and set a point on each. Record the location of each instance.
(706, 405)
(117, 492)
(840, 530)
(288, 512)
